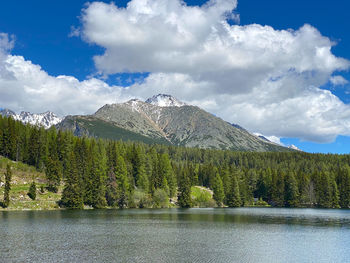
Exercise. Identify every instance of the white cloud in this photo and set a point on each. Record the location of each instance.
(74, 32)
(264, 79)
(338, 80)
(25, 86)
(270, 138)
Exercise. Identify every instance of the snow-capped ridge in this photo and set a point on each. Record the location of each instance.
(134, 104)
(45, 119)
(164, 100)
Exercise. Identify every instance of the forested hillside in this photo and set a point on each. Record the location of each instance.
(102, 173)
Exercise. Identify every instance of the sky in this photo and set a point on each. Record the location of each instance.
(277, 68)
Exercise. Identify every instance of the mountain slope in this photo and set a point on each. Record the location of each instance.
(164, 119)
(46, 119)
(95, 127)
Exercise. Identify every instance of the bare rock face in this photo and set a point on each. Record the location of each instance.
(46, 119)
(163, 116)
(160, 119)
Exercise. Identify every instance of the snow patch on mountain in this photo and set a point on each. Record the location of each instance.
(164, 100)
(134, 104)
(46, 119)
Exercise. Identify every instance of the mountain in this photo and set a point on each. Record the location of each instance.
(46, 119)
(164, 118)
(94, 127)
(164, 100)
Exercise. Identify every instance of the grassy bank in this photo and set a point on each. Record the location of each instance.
(22, 176)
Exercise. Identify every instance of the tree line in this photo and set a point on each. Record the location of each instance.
(101, 173)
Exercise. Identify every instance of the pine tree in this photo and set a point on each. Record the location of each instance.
(218, 190)
(234, 197)
(9, 139)
(335, 194)
(184, 194)
(98, 179)
(327, 192)
(72, 195)
(277, 190)
(142, 178)
(121, 175)
(166, 174)
(344, 187)
(111, 188)
(32, 191)
(53, 174)
(8, 177)
(291, 191)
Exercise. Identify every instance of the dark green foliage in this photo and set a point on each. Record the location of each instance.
(101, 173)
(8, 176)
(327, 191)
(291, 191)
(32, 191)
(344, 187)
(72, 196)
(121, 176)
(277, 189)
(233, 196)
(184, 193)
(53, 174)
(167, 175)
(218, 190)
(111, 189)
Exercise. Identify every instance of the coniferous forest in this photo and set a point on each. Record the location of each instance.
(102, 173)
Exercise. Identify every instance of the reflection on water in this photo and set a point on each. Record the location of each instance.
(176, 235)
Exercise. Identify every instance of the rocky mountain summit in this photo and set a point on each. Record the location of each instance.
(46, 119)
(164, 100)
(164, 118)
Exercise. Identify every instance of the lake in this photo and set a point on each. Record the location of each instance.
(176, 235)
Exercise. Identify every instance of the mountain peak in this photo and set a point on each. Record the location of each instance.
(46, 119)
(164, 100)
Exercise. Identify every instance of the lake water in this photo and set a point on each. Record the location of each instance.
(176, 235)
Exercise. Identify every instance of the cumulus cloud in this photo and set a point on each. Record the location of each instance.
(267, 80)
(338, 80)
(264, 79)
(25, 86)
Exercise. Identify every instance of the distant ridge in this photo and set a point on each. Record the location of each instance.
(163, 118)
(46, 119)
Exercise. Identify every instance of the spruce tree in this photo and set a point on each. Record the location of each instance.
(98, 179)
(344, 187)
(327, 191)
(218, 190)
(335, 194)
(233, 196)
(167, 175)
(53, 174)
(121, 175)
(142, 178)
(184, 193)
(291, 191)
(8, 177)
(72, 195)
(277, 190)
(32, 191)
(111, 188)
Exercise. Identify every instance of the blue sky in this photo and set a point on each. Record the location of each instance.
(41, 32)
